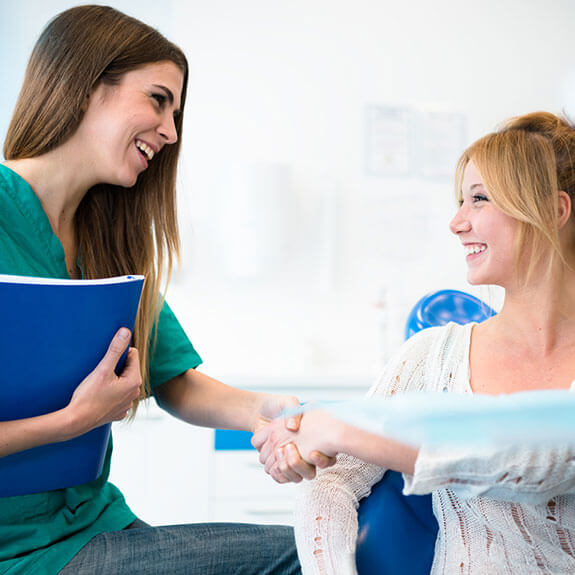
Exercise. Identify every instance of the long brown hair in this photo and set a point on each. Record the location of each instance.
(119, 230)
(523, 166)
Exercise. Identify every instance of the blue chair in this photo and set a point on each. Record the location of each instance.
(441, 307)
(397, 532)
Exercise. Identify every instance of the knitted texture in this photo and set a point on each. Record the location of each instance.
(500, 510)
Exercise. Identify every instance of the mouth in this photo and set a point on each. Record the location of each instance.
(474, 249)
(145, 150)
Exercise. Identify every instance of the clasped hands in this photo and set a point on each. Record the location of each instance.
(291, 449)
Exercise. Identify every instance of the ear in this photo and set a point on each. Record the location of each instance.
(564, 208)
(89, 97)
(85, 103)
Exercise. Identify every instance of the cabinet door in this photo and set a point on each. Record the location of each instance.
(161, 465)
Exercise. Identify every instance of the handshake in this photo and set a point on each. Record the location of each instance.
(293, 446)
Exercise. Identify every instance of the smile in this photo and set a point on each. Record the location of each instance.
(145, 150)
(475, 249)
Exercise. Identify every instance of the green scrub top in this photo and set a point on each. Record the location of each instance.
(40, 533)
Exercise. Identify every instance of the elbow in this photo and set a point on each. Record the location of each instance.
(171, 395)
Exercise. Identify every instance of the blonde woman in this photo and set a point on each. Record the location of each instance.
(87, 190)
(500, 511)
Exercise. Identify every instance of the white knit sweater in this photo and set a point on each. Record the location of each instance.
(499, 511)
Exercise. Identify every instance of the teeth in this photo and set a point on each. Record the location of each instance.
(474, 249)
(143, 147)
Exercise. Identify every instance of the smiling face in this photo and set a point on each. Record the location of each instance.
(487, 234)
(126, 124)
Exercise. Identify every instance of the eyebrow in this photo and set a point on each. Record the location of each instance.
(169, 95)
(478, 185)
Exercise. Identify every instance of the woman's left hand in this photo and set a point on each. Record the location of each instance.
(281, 458)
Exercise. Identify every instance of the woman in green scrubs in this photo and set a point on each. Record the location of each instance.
(87, 190)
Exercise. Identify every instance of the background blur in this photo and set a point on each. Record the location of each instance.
(316, 178)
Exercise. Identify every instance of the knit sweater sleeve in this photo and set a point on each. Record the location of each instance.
(516, 474)
(326, 509)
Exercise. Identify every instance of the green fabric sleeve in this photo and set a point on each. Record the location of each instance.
(171, 353)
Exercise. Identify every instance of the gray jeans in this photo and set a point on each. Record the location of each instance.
(195, 549)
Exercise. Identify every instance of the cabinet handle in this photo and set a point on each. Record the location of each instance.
(269, 511)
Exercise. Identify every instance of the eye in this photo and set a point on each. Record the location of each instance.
(159, 98)
(479, 198)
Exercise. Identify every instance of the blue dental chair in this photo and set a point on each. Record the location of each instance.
(397, 533)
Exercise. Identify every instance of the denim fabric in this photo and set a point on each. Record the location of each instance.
(195, 549)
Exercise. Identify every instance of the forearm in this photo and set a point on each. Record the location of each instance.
(321, 431)
(326, 528)
(326, 518)
(201, 400)
(22, 434)
(374, 448)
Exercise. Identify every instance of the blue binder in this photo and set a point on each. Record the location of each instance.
(53, 333)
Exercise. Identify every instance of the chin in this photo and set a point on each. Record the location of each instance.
(127, 181)
(476, 279)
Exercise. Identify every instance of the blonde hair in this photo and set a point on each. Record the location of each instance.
(119, 230)
(523, 167)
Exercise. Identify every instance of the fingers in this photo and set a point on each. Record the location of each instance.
(281, 470)
(288, 466)
(122, 412)
(275, 404)
(292, 422)
(132, 365)
(115, 350)
(260, 437)
(321, 460)
(297, 464)
(260, 440)
(276, 474)
(271, 436)
(130, 376)
(266, 452)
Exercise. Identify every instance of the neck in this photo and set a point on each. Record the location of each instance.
(58, 182)
(541, 315)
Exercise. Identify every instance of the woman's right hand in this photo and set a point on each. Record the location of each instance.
(103, 396)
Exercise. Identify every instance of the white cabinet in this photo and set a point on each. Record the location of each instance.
(241, 490)
(161, 465)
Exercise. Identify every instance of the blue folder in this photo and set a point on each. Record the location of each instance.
(53, 333)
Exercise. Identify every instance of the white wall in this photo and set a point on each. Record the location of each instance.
(286, 84)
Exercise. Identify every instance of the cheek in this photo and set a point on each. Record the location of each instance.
(509, 229)
(505, 240)
(104, 130)
(496, 226)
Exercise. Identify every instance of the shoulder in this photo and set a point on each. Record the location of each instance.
(430, 347)
(7, 200)
(440, 337)
(427, 360)
(11, 196)
(9, 180)
(6, 185)
(442, 345)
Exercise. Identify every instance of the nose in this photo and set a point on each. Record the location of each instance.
(167, 129)
(460, 223)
